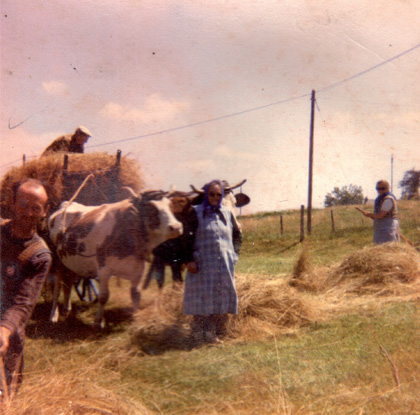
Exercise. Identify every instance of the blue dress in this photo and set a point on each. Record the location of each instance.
(212, 289)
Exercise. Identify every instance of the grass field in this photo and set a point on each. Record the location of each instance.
(327, 326)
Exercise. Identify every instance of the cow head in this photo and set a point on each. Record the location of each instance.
(157, 220)
(230, 200)
(181, 203)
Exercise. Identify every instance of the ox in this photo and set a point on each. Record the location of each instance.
(170, 252)
(111, 239)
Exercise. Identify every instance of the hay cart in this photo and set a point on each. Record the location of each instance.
(106, 182)
(62, 175)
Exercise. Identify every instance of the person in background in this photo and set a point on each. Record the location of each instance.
(210, 292)
(25, 262)
(70, 143)
(385, 219)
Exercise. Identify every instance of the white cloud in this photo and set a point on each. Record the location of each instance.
(197, 166)
(55, 88)
(226, 151)
(407, 119)
(154, 109)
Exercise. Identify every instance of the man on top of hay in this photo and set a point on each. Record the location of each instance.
(70, 143)
(385, 221)
(25, 262)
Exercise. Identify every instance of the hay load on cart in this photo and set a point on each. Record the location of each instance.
(62, 174)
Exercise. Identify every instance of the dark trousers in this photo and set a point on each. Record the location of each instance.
(13, 363)
(215, 323)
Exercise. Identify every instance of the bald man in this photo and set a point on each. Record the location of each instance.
(25, 263)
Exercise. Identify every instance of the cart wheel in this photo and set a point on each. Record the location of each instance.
(86, 289)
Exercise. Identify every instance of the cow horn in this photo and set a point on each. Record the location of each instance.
(200, 192)
(130, 191)
(172, 190)
(236, 185)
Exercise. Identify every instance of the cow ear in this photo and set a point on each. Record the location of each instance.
(198, 200)
(152, 215)
(242, 199)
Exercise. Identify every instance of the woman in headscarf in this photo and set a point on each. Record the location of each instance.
(215, 242)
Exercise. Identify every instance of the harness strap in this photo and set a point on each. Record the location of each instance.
(35, 248)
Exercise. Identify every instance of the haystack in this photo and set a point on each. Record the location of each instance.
(269, 308)
(380, 269)
(63, 174)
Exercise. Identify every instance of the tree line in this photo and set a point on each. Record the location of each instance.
(353, 195)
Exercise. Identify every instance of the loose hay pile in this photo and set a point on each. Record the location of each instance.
(68, 394)
(110, 175)
(274, 307)
(380, 269)
(162, 324)
(265, 309)
(270, 308)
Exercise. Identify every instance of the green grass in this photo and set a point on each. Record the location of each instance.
(345, 364)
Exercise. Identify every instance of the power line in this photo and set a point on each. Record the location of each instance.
(256, 108)
(369, 70)
(202, 122)
(262, 106)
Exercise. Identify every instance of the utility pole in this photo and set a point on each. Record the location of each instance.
(392, 173)
(311, 156)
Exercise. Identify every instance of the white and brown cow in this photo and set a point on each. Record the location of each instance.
(109, 240)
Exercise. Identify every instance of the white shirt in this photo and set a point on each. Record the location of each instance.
(387, 205)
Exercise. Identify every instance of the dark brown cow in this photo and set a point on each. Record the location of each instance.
(171, 252)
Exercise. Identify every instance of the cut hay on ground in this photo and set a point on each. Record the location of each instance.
(68, 394)
(162, 325)
(269, 308)
(110, 175)
(380, 270)
(265, 309)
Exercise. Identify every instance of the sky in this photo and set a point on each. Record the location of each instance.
(196, 90)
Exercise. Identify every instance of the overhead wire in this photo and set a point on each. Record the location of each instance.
(262, 106)
(334, 85)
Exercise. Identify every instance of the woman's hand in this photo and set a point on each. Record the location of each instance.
(192, 267)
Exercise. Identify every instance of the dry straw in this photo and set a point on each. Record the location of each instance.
(69, 394)
(380, 269)
(387, 269)
(105, 187)
(265, 309)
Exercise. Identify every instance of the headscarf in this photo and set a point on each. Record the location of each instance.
(206, 204)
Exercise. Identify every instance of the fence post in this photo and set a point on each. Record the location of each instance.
(281, 225)
(302, 223)
(332, 221)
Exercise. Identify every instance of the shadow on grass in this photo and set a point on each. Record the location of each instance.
(169, 339)
(290, 247)
(74, 327)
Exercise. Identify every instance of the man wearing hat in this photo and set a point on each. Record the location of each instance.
(70, 143)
